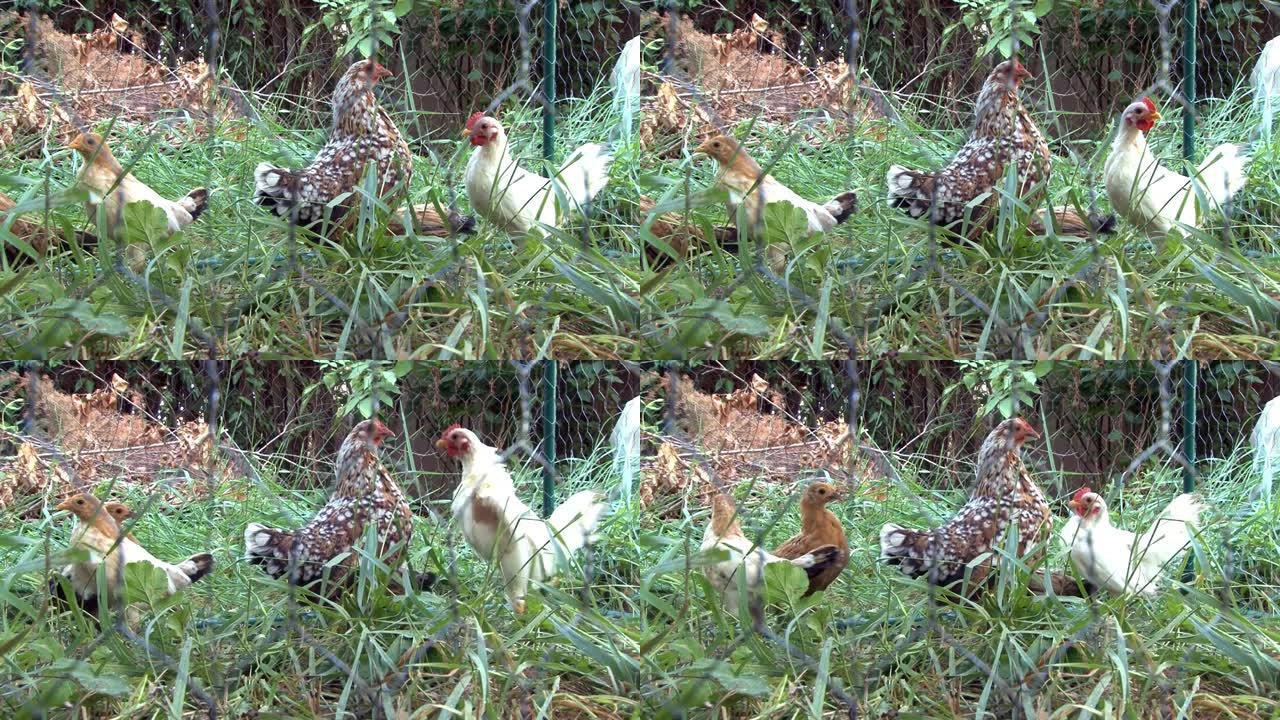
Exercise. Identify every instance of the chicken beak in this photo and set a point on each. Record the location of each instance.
(64, 505)
(1155, 116)
(1075, 505)
(441, 444)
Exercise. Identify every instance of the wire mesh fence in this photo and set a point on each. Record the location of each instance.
(764, 432)
(825, 98)
(70, 431)
(897, 438)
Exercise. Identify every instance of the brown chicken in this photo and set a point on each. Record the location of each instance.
(682, 235)
(366, 495)
(723, 533)
(110, 186)
(747, 183)
(1003, 134)
(1069, 223)
(119, 512)
(362, 133)
(818, 527)
(1005, 495)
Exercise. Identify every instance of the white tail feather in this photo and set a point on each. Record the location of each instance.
(585, 173)
(256, 539)
(1223, 172)
(1168, 535)
(574, 521)
(890, 540)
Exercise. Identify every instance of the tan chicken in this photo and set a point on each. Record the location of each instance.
(119, 512)
(724, 533)
(362, 135)
(428, 221)
(681, 235)
(819, 527)
(1004, 135)
(1005, 496)
(111, 187)
(98, 533)
(1067, 222)
(366, 496)
(747, 184)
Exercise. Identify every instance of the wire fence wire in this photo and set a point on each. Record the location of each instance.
(108, 442)
(763, 428)
(656, 268)
(734, 432)
(501, 62)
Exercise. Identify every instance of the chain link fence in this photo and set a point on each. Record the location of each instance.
(825, 97)
(191, 483)
(763, 432)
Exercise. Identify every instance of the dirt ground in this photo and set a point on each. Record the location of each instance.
(724, 78)
(82, 80)
(747, 436)
(103, 437)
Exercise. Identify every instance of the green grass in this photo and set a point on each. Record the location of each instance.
(870, 279)
(639, 644)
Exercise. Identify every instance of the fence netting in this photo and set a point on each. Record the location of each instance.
(825, 97)
(900, 439)
(197, 451)
(152, 436)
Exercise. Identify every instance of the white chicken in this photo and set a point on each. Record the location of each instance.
(1118, 560)
(1266, 447)
(723, 533)
(1266, 84)
(517, 200)
(501, 528)
(1156, 199)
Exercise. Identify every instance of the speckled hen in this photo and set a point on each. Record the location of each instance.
(1005, 495)
(362, 133)
(1003, 133)
(366, 495)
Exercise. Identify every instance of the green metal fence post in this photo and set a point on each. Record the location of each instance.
(1189, 445)
(1189, 80)
(548, 437)
(549, 79)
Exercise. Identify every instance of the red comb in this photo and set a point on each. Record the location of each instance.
(1151, 106)
(451, 428)
(475, 118)
(1081, 493)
